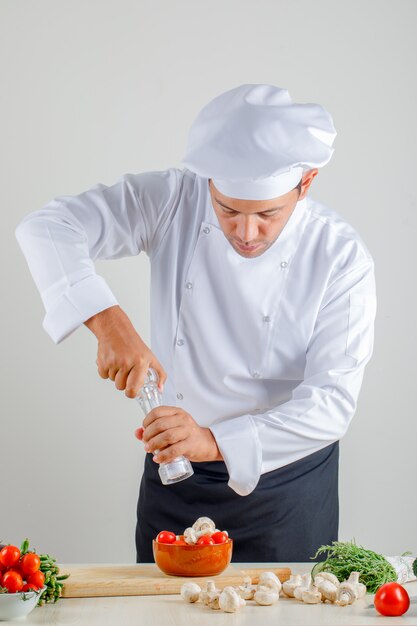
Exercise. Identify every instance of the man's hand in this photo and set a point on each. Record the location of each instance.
(122, 355)
(174, 432)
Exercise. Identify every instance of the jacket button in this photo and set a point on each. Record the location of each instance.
(206, 230)
(266, 318)
(256, 375)
(180, 396)
(188, 285)
(284, 264)
(180, 342)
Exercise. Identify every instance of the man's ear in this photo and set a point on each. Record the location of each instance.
(306, 182)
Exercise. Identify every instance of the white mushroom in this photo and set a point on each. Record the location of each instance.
(266, 595)
(190, 536)
(247, 590)
(269, 579)
(346, 594)
(327, 589)
(206, 530)
(311, 595)
(214, 601)
(326, 576)
(360, 587)
(190, 592)
(230, 601)
(305, 584)
(204, 523)
(290, 585)
(209, 593)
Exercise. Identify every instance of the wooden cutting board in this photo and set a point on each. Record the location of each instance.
(88, 581)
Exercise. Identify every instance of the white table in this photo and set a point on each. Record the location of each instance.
(171, 610)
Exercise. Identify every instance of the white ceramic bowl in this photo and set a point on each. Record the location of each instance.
(14, 605)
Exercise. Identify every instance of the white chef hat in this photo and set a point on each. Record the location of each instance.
(255, 143)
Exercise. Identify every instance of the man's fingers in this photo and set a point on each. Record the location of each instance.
(171, 452)
(113, 372)
(161, 373)
(165, 439)
(159, 412)
(102, 371)
(121, 378)
(161, 424)
(135, 380)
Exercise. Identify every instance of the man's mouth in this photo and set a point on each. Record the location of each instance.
(247, 247)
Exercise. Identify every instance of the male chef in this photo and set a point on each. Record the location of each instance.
(262, 312)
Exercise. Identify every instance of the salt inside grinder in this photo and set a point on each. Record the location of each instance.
(149, 398)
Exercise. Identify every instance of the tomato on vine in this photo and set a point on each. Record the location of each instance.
(12, 581)
(30, 563)
(37, 578)
(9, 556)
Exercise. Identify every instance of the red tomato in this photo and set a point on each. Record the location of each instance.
(205, 540)
(30, 563)
(220, 537)
(166, 536)
(392, 599)
(12, 581)
(29, 587)
(37, 578)
(9, 556)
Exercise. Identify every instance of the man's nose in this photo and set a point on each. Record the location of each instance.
(247, 228)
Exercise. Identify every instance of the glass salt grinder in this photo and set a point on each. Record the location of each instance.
(149, 397)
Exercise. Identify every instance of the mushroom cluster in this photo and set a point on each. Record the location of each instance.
(325, 588)
(231, 599)
(202, 526)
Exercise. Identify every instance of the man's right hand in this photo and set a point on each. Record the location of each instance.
(122, 355)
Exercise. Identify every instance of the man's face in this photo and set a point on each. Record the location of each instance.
(252, 226)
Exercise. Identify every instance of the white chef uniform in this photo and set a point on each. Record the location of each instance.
(268, 352)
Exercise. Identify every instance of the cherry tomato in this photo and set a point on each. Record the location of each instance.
(37, 578)
(392, 599)
(30, 563)
(166, 536)
(12, 581)
(220, 537)
(9, 556)
(30, 587)
(205, 540)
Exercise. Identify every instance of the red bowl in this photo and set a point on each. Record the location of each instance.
(192, 560)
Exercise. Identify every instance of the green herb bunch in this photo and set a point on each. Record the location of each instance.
(53, 580)
(346, 557)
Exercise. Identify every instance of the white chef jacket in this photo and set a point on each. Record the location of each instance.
(268, 352)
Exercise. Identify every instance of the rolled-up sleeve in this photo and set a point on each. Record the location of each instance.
(322, 406)
(62, 241)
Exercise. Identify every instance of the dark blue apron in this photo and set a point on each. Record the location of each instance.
(292, 511)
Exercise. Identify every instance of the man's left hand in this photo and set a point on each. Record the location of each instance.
(174, 432)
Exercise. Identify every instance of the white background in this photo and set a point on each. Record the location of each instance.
(93, 89)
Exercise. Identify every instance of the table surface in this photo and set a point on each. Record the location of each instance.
(171, 610)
